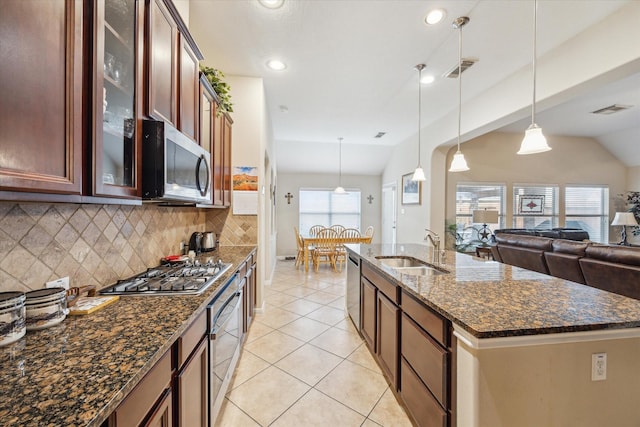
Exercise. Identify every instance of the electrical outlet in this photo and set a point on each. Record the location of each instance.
(598, 366)
(59, 283)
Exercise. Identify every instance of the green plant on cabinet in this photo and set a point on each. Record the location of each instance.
(222, 89)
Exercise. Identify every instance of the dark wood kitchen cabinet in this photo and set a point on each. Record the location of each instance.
(192, 382)
(387, 336)
(427, 364)
(41, 82)
(221, 157)
(173, 58)
(150, 401)
(380, 318)
(117, 45)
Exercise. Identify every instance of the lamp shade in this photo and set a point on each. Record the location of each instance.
(340, 190)
(458, 164)
(534, 141)
(484, 216)
(624, 218)
(418, 175)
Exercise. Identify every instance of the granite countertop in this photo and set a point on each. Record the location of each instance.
(76, 373)
(490, 299)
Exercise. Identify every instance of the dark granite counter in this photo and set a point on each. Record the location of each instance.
(490, 299)
(76, 373)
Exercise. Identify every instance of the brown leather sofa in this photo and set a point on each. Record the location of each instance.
(608, 267)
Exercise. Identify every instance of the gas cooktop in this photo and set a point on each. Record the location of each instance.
(184, 278)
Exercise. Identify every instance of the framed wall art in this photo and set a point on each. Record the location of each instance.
(531, 205)
(411, 190)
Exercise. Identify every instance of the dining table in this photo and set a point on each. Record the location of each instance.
(308, 241)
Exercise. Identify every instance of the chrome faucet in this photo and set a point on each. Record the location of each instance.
(433, 237)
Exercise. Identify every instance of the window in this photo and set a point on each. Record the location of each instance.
(470, 197)
(587, 207)
(535, 206)
(327, 208)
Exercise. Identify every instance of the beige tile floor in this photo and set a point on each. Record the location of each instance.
(304, 364)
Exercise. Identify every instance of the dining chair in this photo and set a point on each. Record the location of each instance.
(313, 231)
(369, 233)
(325, 249)
(338, 228)
(341, 251)
(300, 246)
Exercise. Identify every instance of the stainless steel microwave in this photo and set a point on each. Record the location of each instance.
(174, 167)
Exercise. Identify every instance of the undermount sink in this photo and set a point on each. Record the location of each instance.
(408, 265)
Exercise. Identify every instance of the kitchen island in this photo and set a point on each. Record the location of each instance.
(77, 373)
(520, 343)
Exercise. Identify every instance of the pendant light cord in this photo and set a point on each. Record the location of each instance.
(459, 84)
(340, 162)
(535, 30)
(419, 113)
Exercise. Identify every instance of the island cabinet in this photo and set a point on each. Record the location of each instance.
(173, 69)
(426, 364)
(381, 320)
(41, 82)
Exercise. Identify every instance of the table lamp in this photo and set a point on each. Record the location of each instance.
(484, 217)
(624, 219)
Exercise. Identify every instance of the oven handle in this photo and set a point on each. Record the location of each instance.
(217, 324)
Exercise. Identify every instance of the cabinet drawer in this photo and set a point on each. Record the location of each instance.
(141, 400)
(431, 322)
(191, 337)
(424, 409)
(427, 358)
(384, 285)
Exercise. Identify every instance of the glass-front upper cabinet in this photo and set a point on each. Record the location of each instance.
(115, 163)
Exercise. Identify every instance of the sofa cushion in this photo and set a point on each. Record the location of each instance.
(524, 251)
(569, 247)
(613, 268)
(565, 266)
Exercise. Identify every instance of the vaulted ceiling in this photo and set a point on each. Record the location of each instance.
(350, 70)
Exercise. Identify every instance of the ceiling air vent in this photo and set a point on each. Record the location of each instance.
(380, 134)
(612, 109)
(466, 63)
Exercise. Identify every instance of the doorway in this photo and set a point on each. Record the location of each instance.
(389, 213)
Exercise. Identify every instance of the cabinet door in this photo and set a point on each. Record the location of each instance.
(226, 140)
(217, 155)
(192, 389)
(368, 313)
(205, 138)
(387, 337)
(163, 415)
(162, 57)
(115, 146)
(189, 102)
(41, 87)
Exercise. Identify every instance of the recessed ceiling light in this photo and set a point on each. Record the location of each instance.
(427, 79)
(271, 4)
(435, 16)
(276, 65)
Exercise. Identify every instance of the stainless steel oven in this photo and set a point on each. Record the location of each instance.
(225, 336)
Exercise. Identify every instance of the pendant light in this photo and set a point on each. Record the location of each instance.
(339, 189)
(459, 164)
(418, 175)
(534, 141)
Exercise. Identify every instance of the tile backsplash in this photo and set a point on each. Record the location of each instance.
(98, 244)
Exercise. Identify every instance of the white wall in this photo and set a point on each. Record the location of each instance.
(633, 179)
(287, 214)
